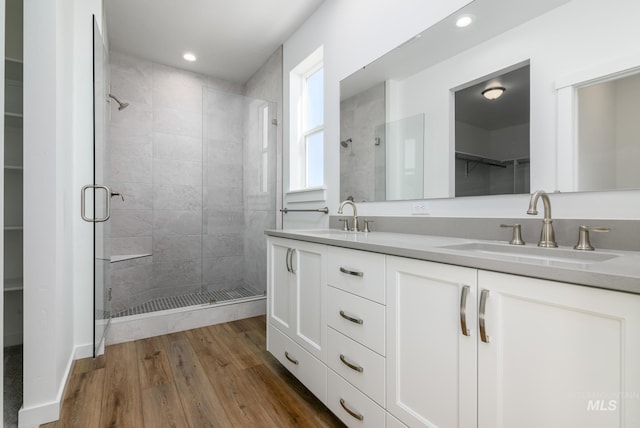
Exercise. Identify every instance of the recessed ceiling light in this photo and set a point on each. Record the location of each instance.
(464, 21)
(189, 57)
(493, 92)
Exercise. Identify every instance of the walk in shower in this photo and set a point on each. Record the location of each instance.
(196, 164)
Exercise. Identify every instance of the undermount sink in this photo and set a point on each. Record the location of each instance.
(537, 254)
(332, 232)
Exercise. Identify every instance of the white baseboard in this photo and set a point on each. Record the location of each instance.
(34, 416)
(83, 351)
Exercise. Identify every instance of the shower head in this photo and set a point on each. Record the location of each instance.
(346, 142)
(121, 105)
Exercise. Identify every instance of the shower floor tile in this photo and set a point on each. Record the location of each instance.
(193, 299)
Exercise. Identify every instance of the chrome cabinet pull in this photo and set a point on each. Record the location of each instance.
(293, 250)
(356, 415)
(293, 360)
(286, 260)
(351, 272)
(107, 203)
(481, 316)
(352, 319)
(350, 365)
(463, 310)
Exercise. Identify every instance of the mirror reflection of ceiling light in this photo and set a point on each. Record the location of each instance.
(493, 92)
(464, 21)
(189, 57)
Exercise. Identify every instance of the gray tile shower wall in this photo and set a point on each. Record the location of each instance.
(188, 161)
(156, 162)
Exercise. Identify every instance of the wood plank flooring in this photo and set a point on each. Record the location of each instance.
(216, 376)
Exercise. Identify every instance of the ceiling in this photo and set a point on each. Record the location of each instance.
(511, 109)
(231, 38)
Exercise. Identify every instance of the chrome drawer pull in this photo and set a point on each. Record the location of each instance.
(351, 272)
(463, 310)
(356, 415)
(481, 316)
(293, 360)
(352, 319)
(350, 365)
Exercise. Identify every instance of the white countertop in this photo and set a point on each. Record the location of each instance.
(620, 271)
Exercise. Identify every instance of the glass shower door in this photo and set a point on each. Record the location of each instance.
(101, 195)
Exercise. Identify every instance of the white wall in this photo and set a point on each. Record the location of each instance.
(58, 125)
(354, 33)
(576, 45)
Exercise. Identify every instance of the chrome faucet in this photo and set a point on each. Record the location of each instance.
(355, 227)
(547, 236)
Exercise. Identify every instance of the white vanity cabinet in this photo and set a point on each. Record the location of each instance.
(538, 353)
(558, 355)
(431, 364)
(297, 292)
(390, 341)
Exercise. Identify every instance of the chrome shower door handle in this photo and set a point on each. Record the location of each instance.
(107, 203)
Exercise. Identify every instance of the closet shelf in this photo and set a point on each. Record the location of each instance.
(14, 284)
(10, 114)
(13, 228)
(13, 69)
(481, 160)
(14, 167)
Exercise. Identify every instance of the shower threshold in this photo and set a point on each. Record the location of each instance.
(193, 299)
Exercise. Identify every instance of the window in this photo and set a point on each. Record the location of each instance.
(306, 154)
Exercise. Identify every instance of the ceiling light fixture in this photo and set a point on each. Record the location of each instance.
(493, 92)
(464, 21)
(189, 57)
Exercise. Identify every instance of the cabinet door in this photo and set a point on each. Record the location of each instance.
(281, 297)
(431, 364)
(558, 355)
(309, 278)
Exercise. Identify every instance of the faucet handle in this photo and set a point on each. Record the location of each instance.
(366, 225)
(583, 237)
(345, 228)
(516, 238)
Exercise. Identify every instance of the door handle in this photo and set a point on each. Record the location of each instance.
(481, 316)
(286, 260)
(463, 310)
(108, 194)
(293, 250)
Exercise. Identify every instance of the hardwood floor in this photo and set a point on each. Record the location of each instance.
(216, 376)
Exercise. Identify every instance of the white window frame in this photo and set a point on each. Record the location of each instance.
(298, 159)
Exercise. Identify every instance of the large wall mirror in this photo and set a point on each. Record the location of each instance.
(406, 130)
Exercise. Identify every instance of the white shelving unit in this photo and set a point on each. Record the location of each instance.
(13, 179)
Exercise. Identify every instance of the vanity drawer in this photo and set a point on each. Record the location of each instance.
(309, 370)
(362, 367)
(370, 332)
(352, 407)
(358, 272)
